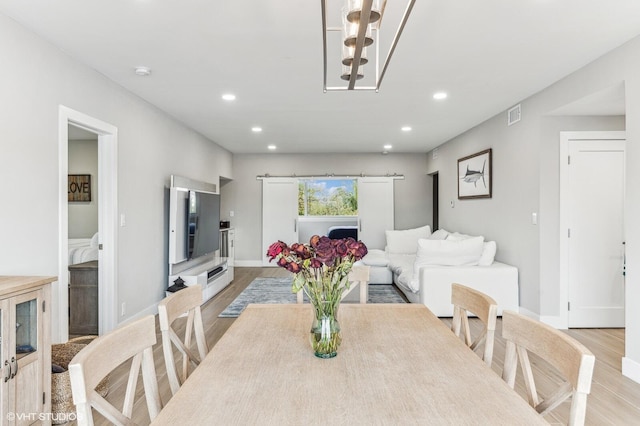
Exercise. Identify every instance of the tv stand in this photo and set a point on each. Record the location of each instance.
(213, 276)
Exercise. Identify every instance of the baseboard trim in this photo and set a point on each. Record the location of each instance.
(151, 310)
(555, 322)
(528, 313)
(631, 369)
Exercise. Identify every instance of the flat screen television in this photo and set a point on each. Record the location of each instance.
(203, 224)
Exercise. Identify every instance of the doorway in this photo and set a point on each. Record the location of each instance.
(435, 225)
(592, 226)
(83, 232)
(107, 222)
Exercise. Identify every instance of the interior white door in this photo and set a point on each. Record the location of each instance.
(596, 233)
(279, 212)
(375, 210)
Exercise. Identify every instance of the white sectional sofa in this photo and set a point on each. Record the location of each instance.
(424, 265)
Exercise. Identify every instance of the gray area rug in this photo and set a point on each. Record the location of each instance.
(278, 290)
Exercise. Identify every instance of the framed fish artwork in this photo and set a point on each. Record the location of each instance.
(474, 175)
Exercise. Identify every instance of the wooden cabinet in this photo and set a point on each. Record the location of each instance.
(25, 350)
(83, 298)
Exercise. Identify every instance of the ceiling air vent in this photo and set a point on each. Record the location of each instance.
(513, 115)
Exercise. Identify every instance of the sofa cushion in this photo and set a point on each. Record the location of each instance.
(439, 234)
(376, 257)
(402, 267)
(405, 241)
(488, 253)
(449, 253)
(456, 236)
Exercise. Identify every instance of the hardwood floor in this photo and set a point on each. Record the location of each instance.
(614, 399)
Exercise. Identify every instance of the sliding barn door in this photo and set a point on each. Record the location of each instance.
(279, 212)
(375, 210)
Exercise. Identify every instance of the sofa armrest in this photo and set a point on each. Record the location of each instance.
(498, 280)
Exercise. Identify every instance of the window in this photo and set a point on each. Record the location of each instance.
(328, 197)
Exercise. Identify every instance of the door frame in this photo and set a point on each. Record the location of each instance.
(107, 222)
(565, 138)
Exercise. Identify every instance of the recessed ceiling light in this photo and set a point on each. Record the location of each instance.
(440, 95)
(388, 146)
(406, 129)
(256, 129)
(271, 147)
(229, 97)
(143, 71)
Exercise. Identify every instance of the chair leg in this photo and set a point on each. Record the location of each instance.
(201, 341)
(510, 364)
(172, 374)
(364, 291)
(150, 381)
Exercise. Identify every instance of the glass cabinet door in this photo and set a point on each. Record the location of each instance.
(26, 327)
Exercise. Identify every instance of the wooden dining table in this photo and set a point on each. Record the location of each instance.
(398, 364)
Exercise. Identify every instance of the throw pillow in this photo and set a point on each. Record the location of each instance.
(440, 234)
(405, 241)
(94, 240)
(488, 253)
(456, 236)
(448, 253)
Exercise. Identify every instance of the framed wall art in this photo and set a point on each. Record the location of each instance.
(79, 189)
(474, 175)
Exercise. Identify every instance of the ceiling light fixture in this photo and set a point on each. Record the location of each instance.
(271, 147)
(256, 129)
(439, 96)
(387, 147)
(229, 97)
(406, 129)
(143, 71)
(361, 20)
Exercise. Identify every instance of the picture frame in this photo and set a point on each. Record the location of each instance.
(475, 177)
(79, 188)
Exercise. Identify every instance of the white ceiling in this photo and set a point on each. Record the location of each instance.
(488, 55)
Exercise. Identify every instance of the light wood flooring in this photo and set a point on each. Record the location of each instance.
(614, 399)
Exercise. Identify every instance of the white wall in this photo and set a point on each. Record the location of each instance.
(36, 78)
(526, 180)
(413, 204)
(83, 216)
(517, 193)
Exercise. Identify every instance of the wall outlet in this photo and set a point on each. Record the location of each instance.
(231, 213)
(123, 309)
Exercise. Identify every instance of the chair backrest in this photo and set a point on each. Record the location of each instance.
(359, 276)
(184, 302)
(134, 341)
(467, 300)
(568, 356)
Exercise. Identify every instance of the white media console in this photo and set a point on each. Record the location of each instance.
(213, 276)
(212, 266)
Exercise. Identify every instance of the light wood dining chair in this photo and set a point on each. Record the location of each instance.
(184, 302)
(568, 356)
(359, 276)
(467, 300)
(131, 341)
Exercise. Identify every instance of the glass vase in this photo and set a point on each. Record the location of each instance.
(325, 334)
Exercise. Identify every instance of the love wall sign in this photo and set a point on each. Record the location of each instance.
(79, 188)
